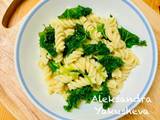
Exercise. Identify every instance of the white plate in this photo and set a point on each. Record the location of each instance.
(31, 77)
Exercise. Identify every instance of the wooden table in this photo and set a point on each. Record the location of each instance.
(4, 114)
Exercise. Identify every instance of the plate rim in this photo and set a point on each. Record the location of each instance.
(53, 114)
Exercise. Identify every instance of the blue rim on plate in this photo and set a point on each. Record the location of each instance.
(115, 116)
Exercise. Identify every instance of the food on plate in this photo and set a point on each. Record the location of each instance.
(84, 55)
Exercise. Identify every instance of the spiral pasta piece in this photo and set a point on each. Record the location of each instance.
(95, 36)
(89, 26)
(59, 39)
(47, 71)
(100, 72)
(65, 23)
(82, 20)
(73, 57)
(69, 32)
(94, 18)
(55, 87)
(112, 84)
(63, 78)
(114, 36)
(43, 56)
(78, 83)
(128, 57)
(58, 58)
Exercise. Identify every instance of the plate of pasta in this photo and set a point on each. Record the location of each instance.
(78, 57)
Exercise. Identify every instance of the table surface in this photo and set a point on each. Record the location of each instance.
(5, 115)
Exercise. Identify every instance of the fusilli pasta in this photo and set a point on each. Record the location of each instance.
(89, 51)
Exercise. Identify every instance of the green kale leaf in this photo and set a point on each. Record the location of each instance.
(130, 39)
(101, 29)
(72, 42)
(88, 35)
(111, 63)
(75, 13)
(47, 40)
(54, 66)
(87, 93)
(96, 49)
(76, 96)
(104, 93)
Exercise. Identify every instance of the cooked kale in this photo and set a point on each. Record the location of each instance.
(76, 96)
(130, 39)
(54, 66)
(105, 93)
(101, 29)
(111, 63)
(47, 40)
(75, 13)
(88, 35)
(96, 49)
(87, 93)
(72, 42)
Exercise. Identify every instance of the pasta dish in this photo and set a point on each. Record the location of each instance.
(84, 55)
